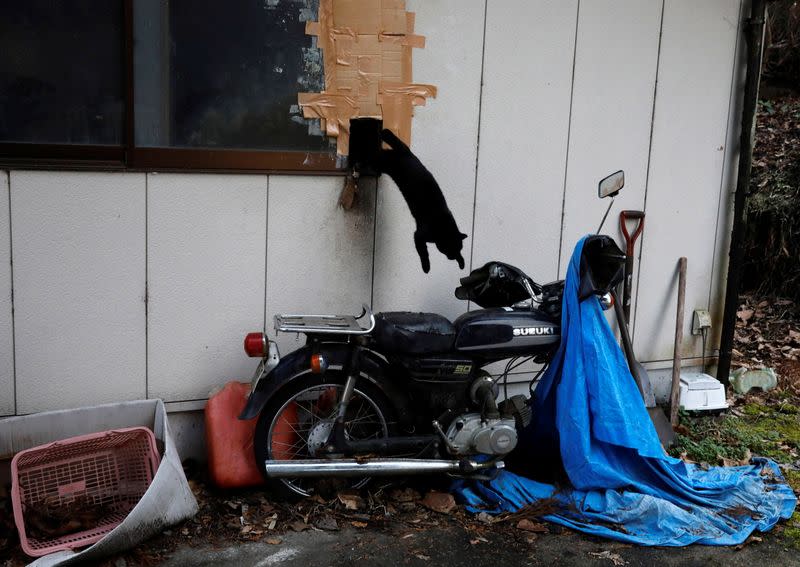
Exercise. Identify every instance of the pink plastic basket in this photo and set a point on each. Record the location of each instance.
(71, 493)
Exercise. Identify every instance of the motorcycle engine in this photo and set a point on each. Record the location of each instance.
(470, 434)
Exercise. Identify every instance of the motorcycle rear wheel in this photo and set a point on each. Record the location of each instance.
(295, 422)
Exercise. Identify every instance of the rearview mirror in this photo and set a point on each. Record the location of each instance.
(611, 185)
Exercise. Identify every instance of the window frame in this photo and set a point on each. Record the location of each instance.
(129, 157)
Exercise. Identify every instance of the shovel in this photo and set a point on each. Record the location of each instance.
(665, 433)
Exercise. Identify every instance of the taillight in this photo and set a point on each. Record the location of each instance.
(255, 345)
(318, 364)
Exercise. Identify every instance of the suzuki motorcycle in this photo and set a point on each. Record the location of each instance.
(402, 393)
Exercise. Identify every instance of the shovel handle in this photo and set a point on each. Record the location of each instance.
(630, 239)
(630, 242)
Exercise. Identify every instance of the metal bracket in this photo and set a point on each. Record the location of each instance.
(326, 324)
(266, 365)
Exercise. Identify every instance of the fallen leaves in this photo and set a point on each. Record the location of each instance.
(351, 500)
(745, 460)
(529, 526)
(441, 502)
(615, 558)
(404, 495)
(771, 239)
(327, 523)
(405, 498)
(745, 314)
(299, 526)
(767, 331)
(748, 541)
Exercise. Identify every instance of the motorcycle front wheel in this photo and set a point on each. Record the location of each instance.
(296, 422)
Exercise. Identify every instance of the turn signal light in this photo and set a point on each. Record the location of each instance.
(255, 345)
(318, 364)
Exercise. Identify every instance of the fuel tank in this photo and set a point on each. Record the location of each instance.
(504, 331)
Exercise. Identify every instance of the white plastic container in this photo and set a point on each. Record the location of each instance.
(701, 392)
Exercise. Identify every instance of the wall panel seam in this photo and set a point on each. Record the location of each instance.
(266, 253)
(13, 315)
(146, 286)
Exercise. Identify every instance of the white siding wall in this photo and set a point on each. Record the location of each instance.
(206, 240)
(690, 133)
(572, 90)
(79, 288)
(527, 85)
(616, 59)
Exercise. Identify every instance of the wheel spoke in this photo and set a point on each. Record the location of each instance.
(296, 432)
(299, 445)
(365, 419)
(310, 411)
(313, 407)
(361, 410)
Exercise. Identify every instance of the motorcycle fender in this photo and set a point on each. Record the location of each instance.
(373, 366)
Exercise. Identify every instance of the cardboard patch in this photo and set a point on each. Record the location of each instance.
(366, 48)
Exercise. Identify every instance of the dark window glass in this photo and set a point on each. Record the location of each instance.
(61, 79)
(221, 74)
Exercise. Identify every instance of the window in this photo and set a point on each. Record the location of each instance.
(160, 84)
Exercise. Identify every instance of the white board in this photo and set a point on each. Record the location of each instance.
(206, 240)
(79, 288)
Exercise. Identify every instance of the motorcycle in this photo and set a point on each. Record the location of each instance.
(400, 393)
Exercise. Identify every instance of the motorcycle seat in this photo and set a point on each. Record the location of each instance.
(402, 332)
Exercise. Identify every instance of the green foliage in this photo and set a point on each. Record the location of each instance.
(769, 431)
(710, 439)
(761, 430)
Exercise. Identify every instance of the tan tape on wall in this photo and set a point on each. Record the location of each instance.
(366, 49)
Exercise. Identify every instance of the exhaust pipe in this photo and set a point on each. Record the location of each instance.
(372, 467)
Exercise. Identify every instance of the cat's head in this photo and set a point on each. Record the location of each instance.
(451, 247)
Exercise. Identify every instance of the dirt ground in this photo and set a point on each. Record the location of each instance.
(239, 530)
(453, 546)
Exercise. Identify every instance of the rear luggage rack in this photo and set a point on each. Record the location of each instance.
(326, 324)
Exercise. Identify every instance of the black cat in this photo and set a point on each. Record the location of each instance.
(435, 222)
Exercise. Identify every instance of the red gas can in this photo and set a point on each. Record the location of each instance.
(231, 461)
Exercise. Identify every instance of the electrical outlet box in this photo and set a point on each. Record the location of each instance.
(700, 321)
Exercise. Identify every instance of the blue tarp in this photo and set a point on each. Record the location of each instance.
(588, 413)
